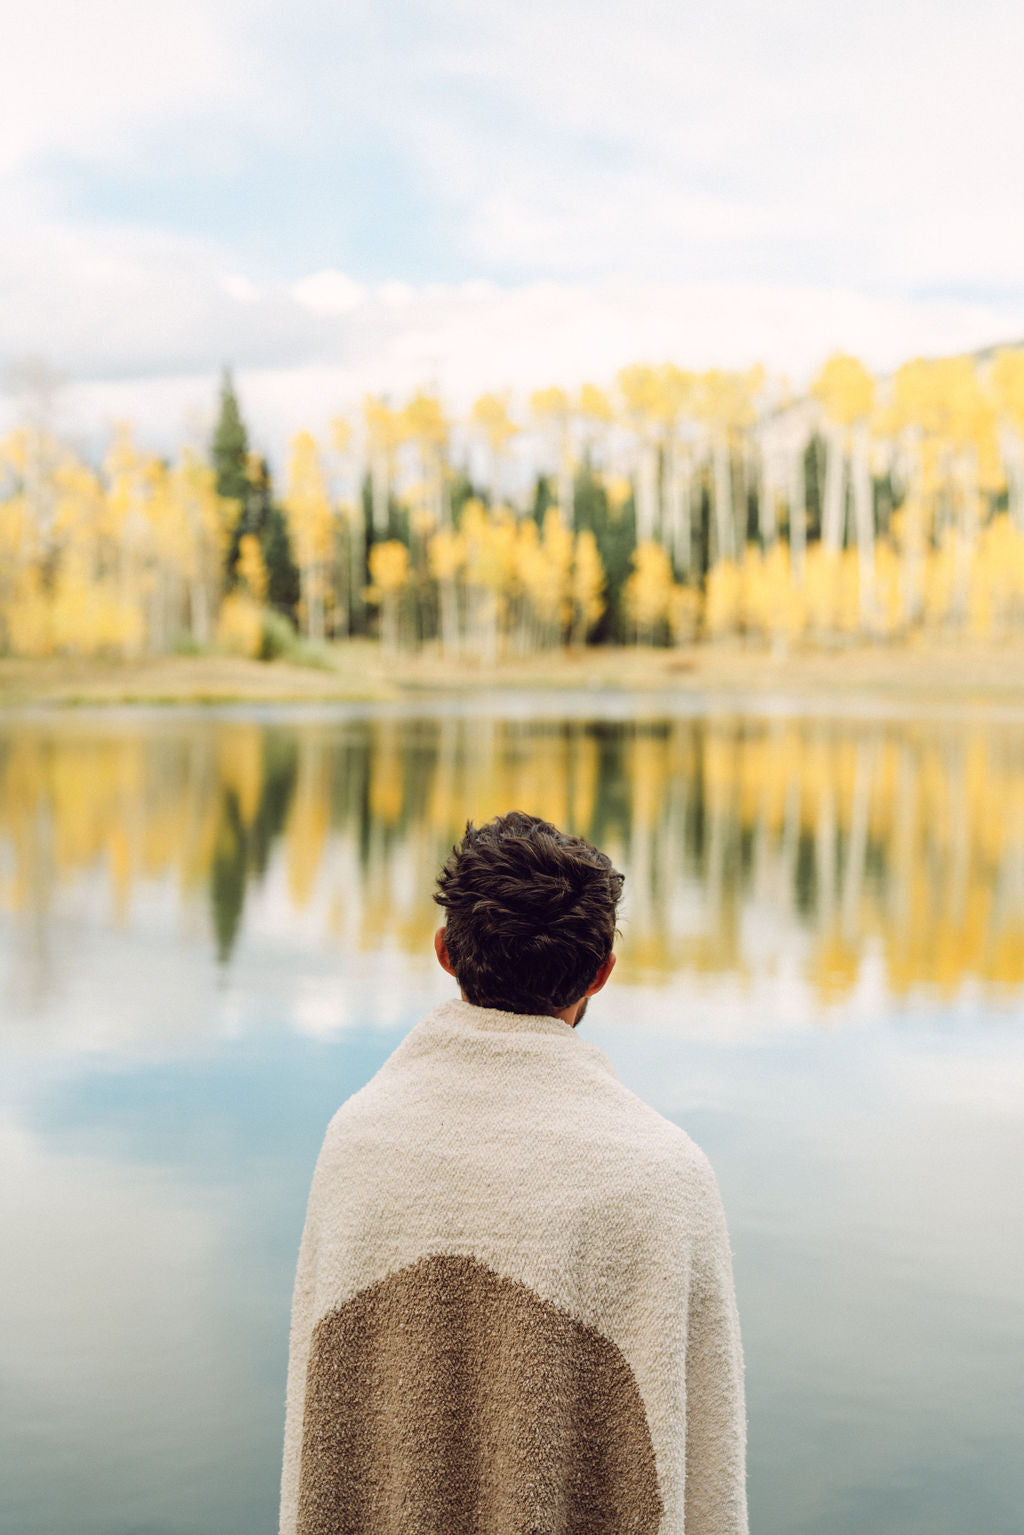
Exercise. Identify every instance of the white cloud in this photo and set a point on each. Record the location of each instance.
(328, 293)
(716, 186)
(83, 79)
(242, 289)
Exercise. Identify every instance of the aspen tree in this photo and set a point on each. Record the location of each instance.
(1008, 391)
(649, 592)
(846, 393)
(552, 411)
(643, 400)
(384, 435)
(724, 403)
(389, 573)
(490, 416)
(678, 389)
(446, 552)
(350, 529)
(310, 524)
(425, 425)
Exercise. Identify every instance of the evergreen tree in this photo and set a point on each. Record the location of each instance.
(275, 544)
(229, 452)
(230, 446)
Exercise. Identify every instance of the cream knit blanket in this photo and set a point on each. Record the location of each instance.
(514, 1309)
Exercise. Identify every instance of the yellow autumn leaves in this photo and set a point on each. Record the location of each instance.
(504, 584)
(680, 506)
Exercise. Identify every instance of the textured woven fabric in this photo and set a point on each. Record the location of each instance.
(514, 1308)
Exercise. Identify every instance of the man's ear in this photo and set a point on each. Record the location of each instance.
(441, 950)
(602, 975)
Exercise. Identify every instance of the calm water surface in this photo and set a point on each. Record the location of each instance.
(214, 928)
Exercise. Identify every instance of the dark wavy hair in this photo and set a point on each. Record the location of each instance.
(529, 913)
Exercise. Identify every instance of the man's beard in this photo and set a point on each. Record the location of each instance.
(582, 1011)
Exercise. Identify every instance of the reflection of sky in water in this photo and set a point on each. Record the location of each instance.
(160, 1117)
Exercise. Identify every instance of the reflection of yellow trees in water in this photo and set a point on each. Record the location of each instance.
(748, 845)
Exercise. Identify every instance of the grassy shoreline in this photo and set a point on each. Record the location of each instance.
(358, 671)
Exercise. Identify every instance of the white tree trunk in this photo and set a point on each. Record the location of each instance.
(864, 518)
(913, 535)
(379, 488)
(835, 487)
(677, 493)
(647, 492)
(966, 534)
(797, 515)
(724, 520)
(567, 487)
(762, 472)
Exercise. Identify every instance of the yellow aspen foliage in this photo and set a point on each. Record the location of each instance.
(91, 617)
(649, 591)
(550, 403)
(641, 389)
(202, 518)
(723, 599)
(384, 426)
(822, 588)
(677, 393)
(1008, 387)
(490, 414)
(29, 616)
(595, 405)
(997, 578)
(845, 389)
(389, 569)
(424, 419)
(618, 489)
(684, 608)
(240, 625)
(848, 579)
(489, 545)
(772, 603)
(544, 563)
(888, 590)
(446, 554)
(389, 573)
(252, 569)
(939, 580)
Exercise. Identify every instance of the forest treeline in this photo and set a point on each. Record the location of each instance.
(674, 507)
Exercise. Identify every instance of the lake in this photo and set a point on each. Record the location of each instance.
(215, 925)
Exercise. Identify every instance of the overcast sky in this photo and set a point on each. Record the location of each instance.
(332, 197)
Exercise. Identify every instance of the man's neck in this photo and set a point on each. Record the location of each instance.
(570, 1015)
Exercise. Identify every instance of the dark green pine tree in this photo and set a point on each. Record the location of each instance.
(271, 528)
(230, 446)
(245, 479)
(615, 534)
(229, 452)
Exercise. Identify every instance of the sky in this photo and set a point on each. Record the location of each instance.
(332, 198)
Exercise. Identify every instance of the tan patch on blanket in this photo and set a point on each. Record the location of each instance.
(446, 1400)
